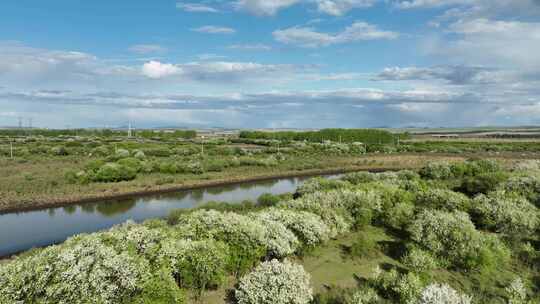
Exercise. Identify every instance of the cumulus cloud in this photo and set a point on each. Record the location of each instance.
(147, 48)
(340, 7)
(156, 69)
(309, 37)
(330, 7)
(196, 8)
(211, 29)
(264, 7)
(506, 43)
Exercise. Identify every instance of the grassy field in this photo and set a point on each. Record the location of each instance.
(40, 181)
(36, 177)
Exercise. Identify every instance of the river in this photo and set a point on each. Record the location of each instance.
(24, 230)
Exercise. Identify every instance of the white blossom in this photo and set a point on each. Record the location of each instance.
(274, 282)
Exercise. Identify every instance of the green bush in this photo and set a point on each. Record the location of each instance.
(113, 172)
(363, 246)
(483, 183)
(444, 199)
(59, 151)
(132, 163)
(198, 265)
(268, 200)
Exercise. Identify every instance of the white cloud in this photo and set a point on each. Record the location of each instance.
(330, 7)
(308, 37)
(340, 7)
(492, 42)
(409, 4)
(211, 29)
(196, 8)
(459, 75)
(147, 48)
(264, 7)
(250, 47)
(156, 69)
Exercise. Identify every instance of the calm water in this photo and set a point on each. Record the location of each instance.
(24, 230)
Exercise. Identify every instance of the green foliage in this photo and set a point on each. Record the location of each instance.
(341, 135)
(114, 172)
(160, 288)
(268, 200)
(435, 198)
(363, 246)
(198, 265)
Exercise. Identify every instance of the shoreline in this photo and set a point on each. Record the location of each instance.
(63, 202)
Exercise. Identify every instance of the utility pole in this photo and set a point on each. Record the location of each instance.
(202, 145)
(129, 129)
(11, 149)
(20, 122)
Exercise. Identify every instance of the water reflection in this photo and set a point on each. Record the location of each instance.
(23, 230)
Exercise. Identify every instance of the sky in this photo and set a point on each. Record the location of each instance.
(270, 63)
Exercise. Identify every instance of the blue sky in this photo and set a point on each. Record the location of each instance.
(270, 63)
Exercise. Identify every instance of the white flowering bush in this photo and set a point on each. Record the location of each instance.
(525, 185)
(279, 240)
(275, 282)
(419, 261)
(436, 198)
(442, 294)
(507, 213)
(245, 236)
(527, 165)
(132, 236)
(437, 170)
(122, 153)
(449, 235)
(328, 205)
(364, 296)
(404, 288)
(517, 292)
(82, 270)
(308, 227)
(228, 226)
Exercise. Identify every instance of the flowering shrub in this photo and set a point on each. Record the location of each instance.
(517, 293)
(364, 296)
(131, 236)
(442, 294)
(445, 199)
(246, 237)
(447, 235)
(405, 288)
(527, 186)
(419, 261)
(279, 240)
(308, 227)
(274, 282)
(505, 212)
(527, 165)
(328, 205)
(437, 170)
(82, 270)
